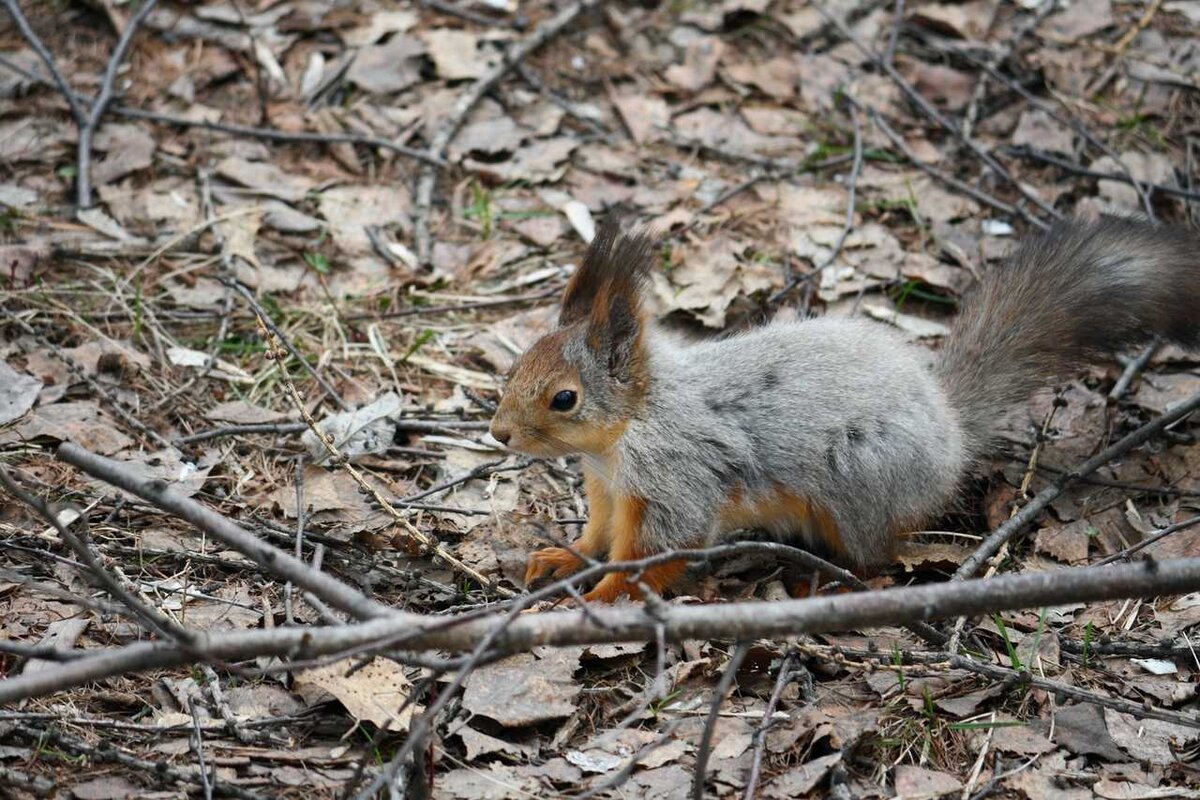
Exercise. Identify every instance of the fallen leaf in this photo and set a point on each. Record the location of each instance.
(1038, 129)
(1079, 19)
(18, 392)
(699, 63)
(646, 117)
(241, 412)
(369, 430)
(81, 422)
(1147, 739)
(525, 689)
(127, 149)
(265, 178)
(919, 782)
(388, 68)
(374, 693)
(800, 780)
(350, 210)
(455, 54)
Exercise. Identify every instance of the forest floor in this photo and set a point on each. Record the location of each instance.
(368, 178)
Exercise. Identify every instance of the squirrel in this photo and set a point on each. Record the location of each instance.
(833, 430)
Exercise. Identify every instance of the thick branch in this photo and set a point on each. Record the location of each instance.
(634, 623)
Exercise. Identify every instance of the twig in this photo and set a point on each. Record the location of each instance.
(1031, 154)
(196, 740)
(83, 180)
(266, 321)
(1149, 540)
(997, 538)
(714, 711)
(441, 139)
(851, 187)
(760, 733)
(928, 110)
(636, 623)
(946, 178)
(268, 134)
(272, 559)
(424, 542)
(109, 754)
(148, 616)
(998, 56)
(1133, 368)
(39, 47)
(994, 671)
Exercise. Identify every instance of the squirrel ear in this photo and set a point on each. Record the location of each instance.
(619, 264)
(616, 263)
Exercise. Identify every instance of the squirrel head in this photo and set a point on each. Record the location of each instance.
(575, 389)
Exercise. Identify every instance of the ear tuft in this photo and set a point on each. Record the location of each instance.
(615, 267)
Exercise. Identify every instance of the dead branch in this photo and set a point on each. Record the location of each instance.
(997, 538)
(272, 559)
(633, 623)
(466, 102)
(83, 159)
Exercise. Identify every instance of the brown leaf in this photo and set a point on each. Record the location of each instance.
(1038, 129)
(81, 422)
(644, 116)
(525, 689)
(374, 693)
(918, 782)
(18, 392)
(241, 412)
(265, 178)
(800, 780)
(388, 68)
(699, 63)
(1066, 543)
(1081, 18)
(455, 54)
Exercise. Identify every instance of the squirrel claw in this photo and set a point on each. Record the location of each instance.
(559, 562)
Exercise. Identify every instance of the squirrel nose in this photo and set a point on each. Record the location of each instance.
(501, 435)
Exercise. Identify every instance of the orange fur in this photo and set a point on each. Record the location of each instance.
(781, 510)
(626, 538)
(595, 540)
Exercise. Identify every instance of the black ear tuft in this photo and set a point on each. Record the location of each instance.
(616, 265)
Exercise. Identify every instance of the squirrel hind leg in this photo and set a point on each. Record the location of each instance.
(615, 585)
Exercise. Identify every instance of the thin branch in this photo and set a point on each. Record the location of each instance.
(1030, 154)
(1133, 368)
(928, 110)
(851, 187)
(83, 162)
(467, 101)
(39, 47)
(271, 559)
(714, 712)
(997, 538)
(1157, 536)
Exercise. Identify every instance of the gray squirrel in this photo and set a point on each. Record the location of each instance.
(836, 431)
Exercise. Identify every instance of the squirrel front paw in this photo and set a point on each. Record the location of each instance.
(611, 588)
(558, 562)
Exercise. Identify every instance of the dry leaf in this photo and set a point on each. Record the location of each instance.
(525, 689)
(373, 693)
(18, 392)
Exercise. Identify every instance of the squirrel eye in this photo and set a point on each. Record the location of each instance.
(563, 401)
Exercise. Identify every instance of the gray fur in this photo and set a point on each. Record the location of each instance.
(847, 414)
(842, 412)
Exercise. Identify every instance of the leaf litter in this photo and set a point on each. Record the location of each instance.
(712, 122)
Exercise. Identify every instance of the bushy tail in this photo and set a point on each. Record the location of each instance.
(1075, 291)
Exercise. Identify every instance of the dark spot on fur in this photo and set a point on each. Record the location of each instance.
(854, 433)
(831, 458)
(770, 380)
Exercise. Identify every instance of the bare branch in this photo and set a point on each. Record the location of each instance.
(997, 538)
